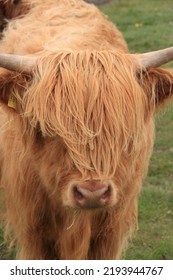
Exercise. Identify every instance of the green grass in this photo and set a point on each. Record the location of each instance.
(4, 253)
(147, 25)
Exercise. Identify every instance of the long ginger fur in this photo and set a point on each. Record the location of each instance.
(86, 111)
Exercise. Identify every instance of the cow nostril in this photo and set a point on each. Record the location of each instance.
(106, 195)
(77, 194)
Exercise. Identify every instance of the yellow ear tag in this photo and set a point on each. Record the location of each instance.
(12, 101)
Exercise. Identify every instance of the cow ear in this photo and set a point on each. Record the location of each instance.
(15, 72)
(12, 87)
(6, 94)
(158, 85)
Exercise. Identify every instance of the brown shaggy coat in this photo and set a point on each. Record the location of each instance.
(86, 111)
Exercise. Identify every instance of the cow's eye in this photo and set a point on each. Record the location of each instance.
(39, 133)
(16, 2)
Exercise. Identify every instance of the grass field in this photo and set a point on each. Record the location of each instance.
(148, 25)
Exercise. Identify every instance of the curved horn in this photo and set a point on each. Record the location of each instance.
(17, 63)
(156, 58)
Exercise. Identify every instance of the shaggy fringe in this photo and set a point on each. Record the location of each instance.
(82, 97)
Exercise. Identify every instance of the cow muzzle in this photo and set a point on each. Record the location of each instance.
(92, 194)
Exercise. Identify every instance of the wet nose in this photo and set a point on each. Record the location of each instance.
(92, 194)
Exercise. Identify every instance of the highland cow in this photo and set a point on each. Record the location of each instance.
(77, 129)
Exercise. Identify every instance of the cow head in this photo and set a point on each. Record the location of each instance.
(88, 118)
